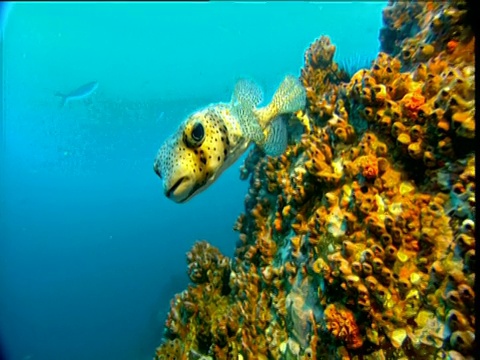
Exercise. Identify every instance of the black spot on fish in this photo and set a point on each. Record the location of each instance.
(218, 158)
(225, 152)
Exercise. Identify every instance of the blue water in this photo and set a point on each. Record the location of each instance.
(91, 252)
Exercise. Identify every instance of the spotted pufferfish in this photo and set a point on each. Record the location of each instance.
(213, 138)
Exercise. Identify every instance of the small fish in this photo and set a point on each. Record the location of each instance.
(213, 138)
(80, 93)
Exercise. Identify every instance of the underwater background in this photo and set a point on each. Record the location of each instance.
(91, 252)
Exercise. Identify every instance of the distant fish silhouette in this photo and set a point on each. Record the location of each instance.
(80, 93)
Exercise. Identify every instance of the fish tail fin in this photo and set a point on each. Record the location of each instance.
(277, 137)
(289, 98)
(245, 97)
(63, 99)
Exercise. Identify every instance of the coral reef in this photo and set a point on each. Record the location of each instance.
(359, 241)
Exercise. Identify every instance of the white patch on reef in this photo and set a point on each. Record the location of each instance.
(336, 224)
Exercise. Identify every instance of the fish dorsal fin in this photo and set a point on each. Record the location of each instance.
(245, 97)
(248, 92)
(277, 137)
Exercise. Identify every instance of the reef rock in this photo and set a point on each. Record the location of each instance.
(359, 241)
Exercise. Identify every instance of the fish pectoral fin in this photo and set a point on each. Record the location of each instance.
(277, 137)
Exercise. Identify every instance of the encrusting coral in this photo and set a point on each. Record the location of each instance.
(359, 241)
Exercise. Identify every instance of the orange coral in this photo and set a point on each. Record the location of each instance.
(370, 168)
(342, 325)
(412, 103)
(451, 46)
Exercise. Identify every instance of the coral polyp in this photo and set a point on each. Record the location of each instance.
(359, 241)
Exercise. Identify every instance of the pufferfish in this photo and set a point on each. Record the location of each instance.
(213, 138)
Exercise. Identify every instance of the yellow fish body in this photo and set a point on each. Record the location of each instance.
(213, 138)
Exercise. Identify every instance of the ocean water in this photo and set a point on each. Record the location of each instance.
(91, 252)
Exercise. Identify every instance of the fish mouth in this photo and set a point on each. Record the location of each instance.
(175, 186)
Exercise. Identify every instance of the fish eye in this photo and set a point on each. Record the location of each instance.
(198, 132)
(194, 135)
